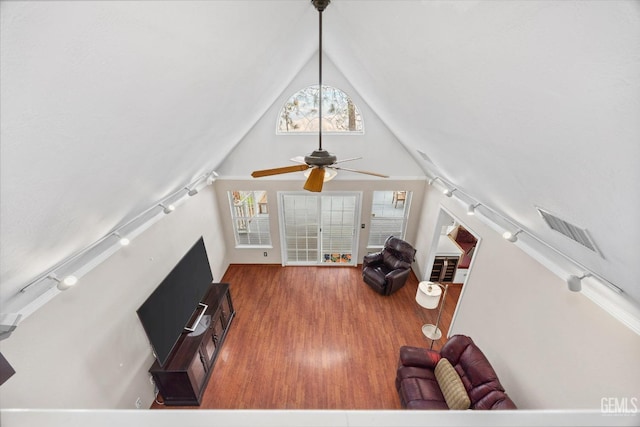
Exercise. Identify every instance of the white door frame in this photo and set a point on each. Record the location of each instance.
(356, 228)
(442, 220)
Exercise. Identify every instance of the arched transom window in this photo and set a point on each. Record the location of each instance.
(339, 114)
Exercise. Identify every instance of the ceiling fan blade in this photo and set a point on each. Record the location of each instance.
(298, 159)
(276, 171)
(347, 160)
(315, 180)
(359, 171)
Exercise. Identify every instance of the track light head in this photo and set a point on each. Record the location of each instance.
(167, 208)
(471, 210)
(444, 186)
(65, 283)
(434, 179)
(575, 283)
(191, 191)
(124, 241)
(212, 177)
(512, 237)
(448, 191)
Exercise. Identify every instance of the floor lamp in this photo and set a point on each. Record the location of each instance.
(428, 296)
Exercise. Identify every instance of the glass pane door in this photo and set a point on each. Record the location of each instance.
(338, 228)
(319, 228)
(300, 228)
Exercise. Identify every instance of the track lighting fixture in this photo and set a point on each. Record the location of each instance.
(433, 180)
(167, 208)
(26, 301)
(575, 282)
(121, 239)
(65, 283)
(212, 177)
(444, 186)
(547, 254)
(448, 191)
(512, 237)
(471, 210)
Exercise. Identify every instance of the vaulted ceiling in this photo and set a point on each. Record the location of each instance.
(108, 106)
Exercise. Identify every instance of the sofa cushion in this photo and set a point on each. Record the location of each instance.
(421, 393)
(451, 386)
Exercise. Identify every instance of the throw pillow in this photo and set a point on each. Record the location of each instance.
(451, 386)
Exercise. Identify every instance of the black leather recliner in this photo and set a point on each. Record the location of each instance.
(388, 270)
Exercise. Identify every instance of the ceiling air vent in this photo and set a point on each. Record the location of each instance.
(571, 231)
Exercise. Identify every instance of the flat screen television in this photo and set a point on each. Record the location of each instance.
(165, 314)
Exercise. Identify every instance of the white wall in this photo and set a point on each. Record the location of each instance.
(261, 148)
(379, 148)
(86, 348)
(552, 348)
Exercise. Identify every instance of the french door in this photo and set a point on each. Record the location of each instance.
(319, 229)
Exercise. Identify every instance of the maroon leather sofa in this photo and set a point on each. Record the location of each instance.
(418, 388)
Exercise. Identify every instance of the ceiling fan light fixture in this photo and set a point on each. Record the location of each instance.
(315, 180)
(321, 4)
(329, 174)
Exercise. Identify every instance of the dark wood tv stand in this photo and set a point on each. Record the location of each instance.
(184, 377)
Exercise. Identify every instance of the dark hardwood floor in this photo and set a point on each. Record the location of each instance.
(315, 338)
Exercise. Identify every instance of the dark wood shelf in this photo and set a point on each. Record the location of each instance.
(444, 269)
(184, 377)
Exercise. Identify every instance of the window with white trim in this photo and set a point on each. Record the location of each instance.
(250, 217)
(339, 113)
(389, 213)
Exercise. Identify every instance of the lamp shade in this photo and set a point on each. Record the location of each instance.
(428, 295)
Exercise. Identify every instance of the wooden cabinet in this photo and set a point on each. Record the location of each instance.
(184, 377)
(446, 260)
(461, 275)
(444, 269)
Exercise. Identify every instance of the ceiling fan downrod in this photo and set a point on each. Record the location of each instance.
(320, 5)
